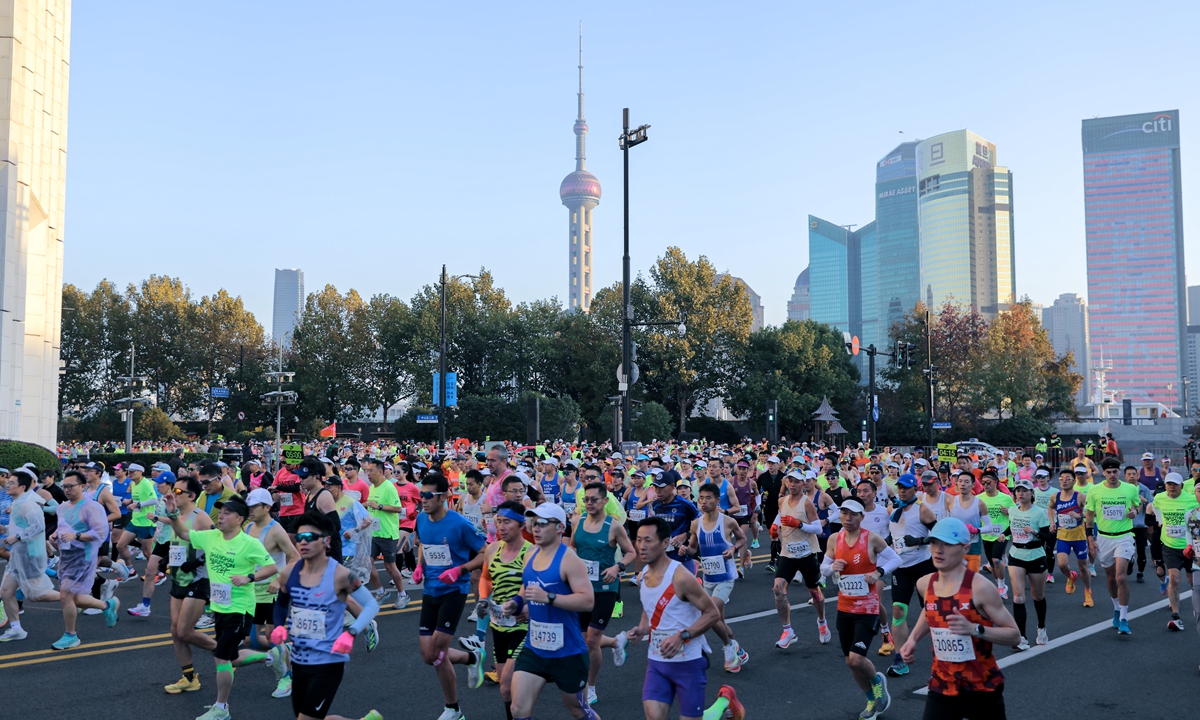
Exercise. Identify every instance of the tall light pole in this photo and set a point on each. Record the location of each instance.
(128, 404)
(627, 140)
(442, 365)
(279, 397)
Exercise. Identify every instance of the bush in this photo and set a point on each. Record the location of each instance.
(146, 459)
(14, 454)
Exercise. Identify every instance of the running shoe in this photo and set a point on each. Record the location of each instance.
(470, 643)
(770, 567)
(619, 653)
(1116, 619)
(451, 714)
(1162, 587)
(184, 685)
(823, 633)
(733, 663)
(618, 610)
(1087, 599)
(786, 639)
(591, 696)
(110, 612)
(381, 593)
(743, 656)
(215, 713)
(754, 544)
(139, 610)
(283, 687)
(373, 715)
(159, 579)
(372, 634)
(402, 600)
(880, 699)
(1042, 637)
(1092, 569)
(107, 588)
(1175, 623)
(492, 677)
(406, 574)
(735, 711)
(1003, 591)
(887, 647)
(277, 659)
(13, 634)
(899, 668)
(1141, 578)
(137, 554)
(206, 621)
(475, 669)
(1071, 582)
(1123, 629)
(474, 616)
(66, 642)
(1021, 646)
(1050, 579)
(634, 580)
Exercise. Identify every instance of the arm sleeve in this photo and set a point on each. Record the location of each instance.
(827, 566)
(283, 603)
(888, 561)
(370, 607)
(813, 528)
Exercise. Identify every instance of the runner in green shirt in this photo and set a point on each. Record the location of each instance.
(1110, 509)
(998, 506)
(142, 498)
(1171, 509)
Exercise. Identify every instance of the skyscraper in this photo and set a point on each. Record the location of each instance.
(1193, 299)
(898, 234)
(1137, 288)
(35, 41)
(289, 303)
(1066, 323)
(966, 223)
(799, 306)
(756, 306)
(844, 278)
(580, 192)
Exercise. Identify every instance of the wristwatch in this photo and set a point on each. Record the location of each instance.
(621, 566)
(251, 577)
(685, 635)
(550, 598)
(979, 629)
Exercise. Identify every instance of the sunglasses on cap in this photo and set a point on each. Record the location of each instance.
(307, 537)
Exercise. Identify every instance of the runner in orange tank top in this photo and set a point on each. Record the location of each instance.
(965, 616)
(860, 557)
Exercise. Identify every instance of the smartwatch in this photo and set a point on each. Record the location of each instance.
(979, 629)
(550, 598)
(685, 635)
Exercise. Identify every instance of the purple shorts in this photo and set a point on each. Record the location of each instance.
(686, 680)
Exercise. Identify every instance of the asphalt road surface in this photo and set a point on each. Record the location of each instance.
(1087, 667)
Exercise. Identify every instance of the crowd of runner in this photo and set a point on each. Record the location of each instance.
(530, 547)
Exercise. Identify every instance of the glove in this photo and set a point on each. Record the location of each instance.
(279, 635)
(450, 576)
(790, 521)
(418, 574)
(344, 644)
(774, 532)
(190, 566)
(910, 541)
(972, 529)
(1189, 552)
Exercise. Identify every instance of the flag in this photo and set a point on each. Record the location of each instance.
(330, 431)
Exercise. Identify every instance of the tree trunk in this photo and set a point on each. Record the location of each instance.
(683, 406)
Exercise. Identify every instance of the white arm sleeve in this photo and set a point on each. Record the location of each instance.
(827, 567)
(814, 527)
(887, 561)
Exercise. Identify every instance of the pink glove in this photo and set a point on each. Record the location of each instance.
(450, 576)
(344, 644)
(418, 574)
(278, 635)
(972, 529)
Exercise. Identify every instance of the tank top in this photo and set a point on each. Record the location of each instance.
(937, 506)
(181, 551)
(830, 513)
(1150, 481)
(506, 583)
(316, 618)
(1070, 527)
(595, 552)
(961, 663)
(335, 520)
(95, 495)
(668, 615)
(553, 632)
(854, 594)
(632, 498)
(910, 525)
(551, 488)
(568, 498)
(794, 542)
(121, 490)
(261, 594)
(876, 520)
(715, 567)
(745, 497)
(473, 512)
(969, 515)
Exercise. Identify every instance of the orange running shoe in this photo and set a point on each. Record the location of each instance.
(1071, 582)
(736, 710)
(1087, 598)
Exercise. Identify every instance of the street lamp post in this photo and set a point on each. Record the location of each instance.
(442, 364)
(627, 140)
(279, 397)
(128, 404)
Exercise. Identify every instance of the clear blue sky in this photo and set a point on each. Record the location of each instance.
(368, 143)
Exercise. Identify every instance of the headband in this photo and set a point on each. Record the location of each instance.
(510, 514)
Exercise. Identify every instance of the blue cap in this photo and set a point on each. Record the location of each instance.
(951, 531)
(643, 456)
(166, 476)
(907, 480)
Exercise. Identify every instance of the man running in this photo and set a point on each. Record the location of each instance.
(1066, 519)
(1171, 508)
(995, 545)
(716, 541)
(275, 540)
(678, 513)
(860, 558)
(965, 615)
(309, 610)
(1109, 510)
(189, 583)
(595, 539)
(504, 565)
(555, 589)
(909, 524)
(386, 512)
(798, 527)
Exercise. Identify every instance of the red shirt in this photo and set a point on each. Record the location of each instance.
(410, 500)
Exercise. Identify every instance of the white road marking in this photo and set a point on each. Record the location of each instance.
(770, 613)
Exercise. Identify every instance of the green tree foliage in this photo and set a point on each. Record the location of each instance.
(95, 348)
(329, 351)
(154, 424)
(651, 421)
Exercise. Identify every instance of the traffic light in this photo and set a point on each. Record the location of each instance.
(908, 358)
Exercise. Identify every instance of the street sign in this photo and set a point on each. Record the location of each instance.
(947, 452)
(427, 418)
(854, 345)
(451, 389)
(220, 392)
(629, 449)
(292, 454)
(941, 426)
(621, 374)
(241, 415)
(875, 413)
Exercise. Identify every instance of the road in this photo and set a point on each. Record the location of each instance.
(1086, 667)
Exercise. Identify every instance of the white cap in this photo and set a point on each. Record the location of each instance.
(701, 464)
(1148, 456)
(549, 511)
(773, 458)
(135, 466)
(550, 461)
(853, 506)
(259, 496)
(524, 478)
(1173, 477)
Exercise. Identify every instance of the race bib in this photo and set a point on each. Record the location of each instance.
(899, 545)
(1176, 532)
(712, 564)
(949, 647)
(656, 641)
(637, 515)
(286, 499)
(545, 636)
(1021, 534)
(742, 511)
(593, 569)
(437, 555)
(308, 623)
(220, 593)
(1067, 522)
(499, 619)
(798, 549)
(354, 495)
(178, 554)
(853, 585)
(1114, 512)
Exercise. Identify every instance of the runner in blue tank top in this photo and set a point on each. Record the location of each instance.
(309, 610)
(555, 589)
(716, 540)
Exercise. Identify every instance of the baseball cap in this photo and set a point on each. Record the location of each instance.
(773, 459)
(701, 464)
(1081, 470)
(166, 476)
(920, 462)
(260, 496)
(1023, 483)
(135, 466)
(235, 504)
(548, 511)
(550, 461)
(853, 506)
(907, 480)
(1147, 456)
(951, 531)
(929, 476)
(1173, 477)
(1041, 472)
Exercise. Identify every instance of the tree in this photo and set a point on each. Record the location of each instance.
(329, 344)
(1020, 372)
(391, 369)
(221, 334)
(154, 424)
(95, 338)
(651, 421)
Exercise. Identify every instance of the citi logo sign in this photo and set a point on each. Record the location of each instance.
(1161, 123)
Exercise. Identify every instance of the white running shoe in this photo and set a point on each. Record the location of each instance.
(592, 699)
(449, 714)
(1042, 636)
(786, 639)
(13, 634)
(401, 601)
(206, 621)
(470, 643)
(619, 653)
(140, 610)
(732, 662)
(823, 633)
(107, 588)
(1021, 646)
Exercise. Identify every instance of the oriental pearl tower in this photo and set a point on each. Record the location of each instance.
(580, 192)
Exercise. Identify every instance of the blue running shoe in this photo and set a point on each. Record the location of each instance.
(1123, 628)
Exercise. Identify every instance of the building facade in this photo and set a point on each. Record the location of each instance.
(580, 193)
(1066, 323)
(289, 304)
(965, 213)
(1137, 288)
(756, 306)
(35, 43)
(798, 307)
(898, 235)
(843, 278)
(1193, 364)
(1193, 305)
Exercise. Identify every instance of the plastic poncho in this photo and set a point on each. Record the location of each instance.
(357, 548)
(77, 559)
(27, 563)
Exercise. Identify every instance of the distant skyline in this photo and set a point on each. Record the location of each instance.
(216, 143)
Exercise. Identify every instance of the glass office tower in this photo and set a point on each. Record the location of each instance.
(843, 274)
(897, 235)
(1137, 289)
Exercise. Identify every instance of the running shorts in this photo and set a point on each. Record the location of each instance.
(163, 551)
(1174, 559)
(855, 632)
(313, 687)
(786, 568)
(230, 630)
(264, 613)
(996, 549)
(969, 705)
(141, 532)
(721, 590)
(1108, 549)
(385, 547)
(666, 681)
(568, 673)
(904, 580)
(601, 612)
(198, 590)
(1033, 567)
(1078, 548)
(442, 612)
(505, 643)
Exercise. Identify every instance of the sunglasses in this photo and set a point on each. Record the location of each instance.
(307, 537)
(71, 486)
(543, 522)
(592, 498)
(426, 495)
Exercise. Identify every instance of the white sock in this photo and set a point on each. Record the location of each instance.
(1116, 605)
(221, 705)
(1124, 612)
(16, 625)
